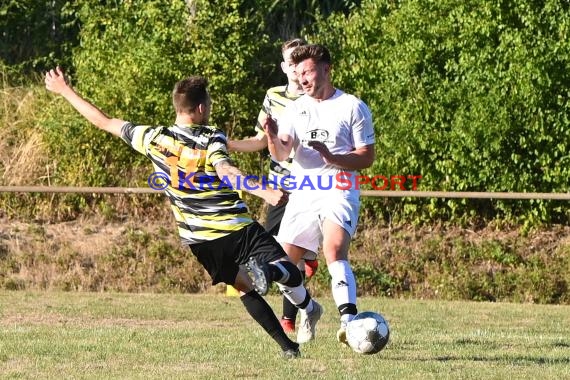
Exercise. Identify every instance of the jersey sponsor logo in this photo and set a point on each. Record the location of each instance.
(321, 135)
(317, 134)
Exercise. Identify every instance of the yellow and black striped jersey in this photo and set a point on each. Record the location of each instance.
(276, 99)
(205, 207)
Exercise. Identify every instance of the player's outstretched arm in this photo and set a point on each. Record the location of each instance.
(56, 83)
(249, 145)
(238, 180)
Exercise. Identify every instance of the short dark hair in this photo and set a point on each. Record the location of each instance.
(189, 93)
(318, 53)
(295, 42)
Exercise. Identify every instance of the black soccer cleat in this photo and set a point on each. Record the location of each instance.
(259, 274)
(291, 353)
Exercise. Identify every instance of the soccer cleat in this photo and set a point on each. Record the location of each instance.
(288, 325)
(311, 267)
(291, 353)
(259, 274)
(308, 323)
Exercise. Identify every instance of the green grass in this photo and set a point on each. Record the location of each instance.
(208, 336)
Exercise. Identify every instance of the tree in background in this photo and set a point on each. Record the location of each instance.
(36, 34)
(473, 95)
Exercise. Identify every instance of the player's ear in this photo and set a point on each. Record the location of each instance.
(284, 66)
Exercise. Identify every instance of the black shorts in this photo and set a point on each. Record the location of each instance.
(273, 218)
(222, 257)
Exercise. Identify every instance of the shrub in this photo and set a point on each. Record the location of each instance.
(472, 95)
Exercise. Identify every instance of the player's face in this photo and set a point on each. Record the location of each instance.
(288, 66)
(313, 77)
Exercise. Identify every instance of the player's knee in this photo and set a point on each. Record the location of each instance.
(295, 278)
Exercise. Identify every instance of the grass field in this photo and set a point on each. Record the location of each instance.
(53, 335)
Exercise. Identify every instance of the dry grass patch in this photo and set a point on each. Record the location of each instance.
(432, 262)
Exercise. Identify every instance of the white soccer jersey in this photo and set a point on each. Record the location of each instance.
(342, 122)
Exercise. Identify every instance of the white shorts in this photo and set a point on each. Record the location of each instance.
(302, 223)
(309, 255)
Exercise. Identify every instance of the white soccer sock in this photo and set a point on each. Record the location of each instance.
(343, 284)
(345, 318)
(296, 295)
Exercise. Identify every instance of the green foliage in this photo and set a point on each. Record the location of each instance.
(131, 55)
(286, 18)
(472, 95)
(35, 34)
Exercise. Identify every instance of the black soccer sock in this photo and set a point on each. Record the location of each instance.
(264, 315)
(347, 308)
(290, 310)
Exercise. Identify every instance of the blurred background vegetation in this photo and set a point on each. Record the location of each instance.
(472, 95)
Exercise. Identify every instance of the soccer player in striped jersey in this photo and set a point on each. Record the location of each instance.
(212, 219)
(276, 99)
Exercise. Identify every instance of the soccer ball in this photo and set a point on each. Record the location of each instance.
(368, 333)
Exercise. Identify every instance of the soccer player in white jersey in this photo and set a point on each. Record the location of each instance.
(332, 135)
(274, 103)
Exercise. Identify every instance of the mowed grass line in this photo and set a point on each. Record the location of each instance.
(56, 335)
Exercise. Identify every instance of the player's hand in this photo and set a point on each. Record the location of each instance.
(55, 81)
(320, 147)
(276, 197)
(269, 126)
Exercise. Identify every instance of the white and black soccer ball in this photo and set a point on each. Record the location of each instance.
(368, 333)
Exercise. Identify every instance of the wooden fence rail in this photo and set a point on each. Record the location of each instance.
(366, 193)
